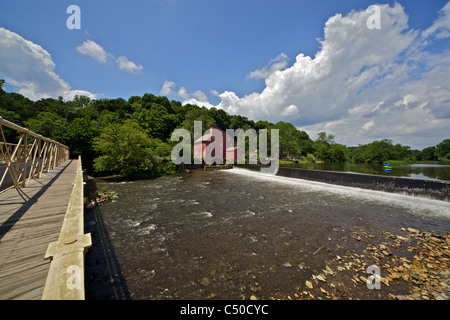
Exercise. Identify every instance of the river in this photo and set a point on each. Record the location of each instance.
(414, 171)
(236, 234)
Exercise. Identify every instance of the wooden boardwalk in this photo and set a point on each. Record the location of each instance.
(31, 218)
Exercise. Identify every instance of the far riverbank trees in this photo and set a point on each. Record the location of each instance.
(130, 137)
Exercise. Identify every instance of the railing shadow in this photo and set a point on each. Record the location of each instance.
(28, 203)
(103, 276)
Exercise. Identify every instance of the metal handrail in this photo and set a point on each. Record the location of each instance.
(25, 160)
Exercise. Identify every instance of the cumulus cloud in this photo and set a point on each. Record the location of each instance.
(93, 50)
(198, 97)
(363, 84)
(276, 64)
(129, 66)
(167, 88)
(31, 69)
(97, 52)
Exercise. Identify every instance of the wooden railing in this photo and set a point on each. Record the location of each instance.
(65, 279)
(29, 157)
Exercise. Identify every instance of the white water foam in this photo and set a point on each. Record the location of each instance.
(147, 230)
(204, 214)
(414, 204)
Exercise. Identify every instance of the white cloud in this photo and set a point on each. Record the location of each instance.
(276, 64)
(198, 97)
(98, 53)
(369, 125)
(200, 103)
(31, 69)
(215, 92)
(362, 84)
(93, 50)
(291, 110)
(129, 66)
(182, 92)
(167, 88)
(441, 27)
(406, 100)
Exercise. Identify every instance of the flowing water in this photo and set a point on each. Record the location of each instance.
(233, 234)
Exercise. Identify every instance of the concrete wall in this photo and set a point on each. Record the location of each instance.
(429, 188)
(419, 187)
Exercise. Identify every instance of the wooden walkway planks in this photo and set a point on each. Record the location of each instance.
(31, 218)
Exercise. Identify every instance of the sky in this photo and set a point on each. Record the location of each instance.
(360, 70)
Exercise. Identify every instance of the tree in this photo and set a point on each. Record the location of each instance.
(289, 140)
(197, 114)
(9, 115)
(427, 154)
(327, 150)
(80, 102)
(79, 138)
(305, 143)
(322, 145)
(156, 121)
(19, 105)
(338, 153)
(48, 124)
(379, 151)
(443, 149)
(125, 150)
(118, 106)
(220, 117)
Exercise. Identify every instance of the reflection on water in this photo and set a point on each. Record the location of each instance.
(233, 234)
(415, 171)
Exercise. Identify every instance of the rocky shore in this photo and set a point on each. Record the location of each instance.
(428, 272)
(94, 197)
(413, 265)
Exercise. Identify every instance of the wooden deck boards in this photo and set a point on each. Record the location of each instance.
(31, 218)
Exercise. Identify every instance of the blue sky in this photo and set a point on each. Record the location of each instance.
(312, 63)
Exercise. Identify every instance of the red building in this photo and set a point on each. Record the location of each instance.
(215, 139)
(232, 154)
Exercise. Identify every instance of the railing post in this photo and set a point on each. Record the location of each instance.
(25, 158)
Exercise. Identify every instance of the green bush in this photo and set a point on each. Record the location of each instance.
(126, 149)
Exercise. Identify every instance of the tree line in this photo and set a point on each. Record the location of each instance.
(130, 137)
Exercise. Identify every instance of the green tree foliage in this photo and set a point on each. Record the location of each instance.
(79, 136)
(48, 124)
(381, 151)
(427, 154)
(327, 150)
(157, 121)
(290, 140)
(16, 108)
(197, 114)
(443, 149)
(127, 150)
(221, 118)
